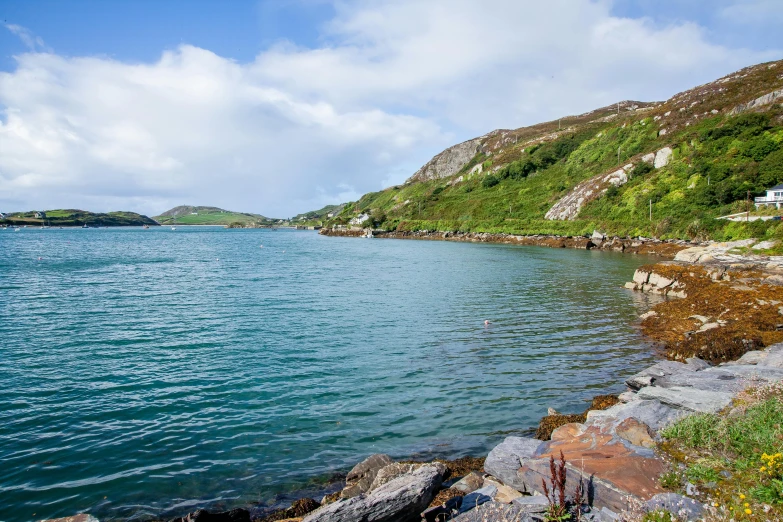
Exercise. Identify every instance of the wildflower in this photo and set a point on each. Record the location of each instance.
(763, 468)
(748, 511)
(742, 496)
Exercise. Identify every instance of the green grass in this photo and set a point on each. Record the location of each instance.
(212, 217)
(727, 453)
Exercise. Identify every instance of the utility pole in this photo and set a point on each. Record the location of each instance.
(558, 124)
(618, 107)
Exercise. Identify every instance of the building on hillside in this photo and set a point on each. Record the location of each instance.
(40, 215)
(3, 215)
(774, 197)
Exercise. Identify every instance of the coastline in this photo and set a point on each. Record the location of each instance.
(598, 241)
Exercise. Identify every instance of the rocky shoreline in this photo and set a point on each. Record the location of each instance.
(722, 331)
(597, 241)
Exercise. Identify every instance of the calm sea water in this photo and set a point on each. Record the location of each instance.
(148, 372)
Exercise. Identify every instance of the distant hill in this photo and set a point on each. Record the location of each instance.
(662, 169)
(196, 215)
(76, 218)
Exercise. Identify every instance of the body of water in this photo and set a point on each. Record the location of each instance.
(149, 372)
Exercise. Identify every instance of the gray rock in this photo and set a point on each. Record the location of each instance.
(359, 480)
(653, 413)
(718, 381)
(697, 364)
(647, 376)
(402, 499)
(505, 459)
(677, 504)
(478, 497)
(607, 515)
(532, 503)
(691, 399)
(496, 512)
(397, 469)
(469, 483)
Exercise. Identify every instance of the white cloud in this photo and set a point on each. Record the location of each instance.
(32, 42)
(298, 128)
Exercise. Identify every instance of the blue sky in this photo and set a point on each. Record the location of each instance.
(282, 106)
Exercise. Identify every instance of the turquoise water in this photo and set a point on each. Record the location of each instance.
(147, 372)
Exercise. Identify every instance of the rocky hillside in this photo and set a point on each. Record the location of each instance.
(663, 169)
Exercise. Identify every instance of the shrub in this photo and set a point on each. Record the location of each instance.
(490, 181)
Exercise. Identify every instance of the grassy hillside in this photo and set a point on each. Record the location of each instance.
(78, 218)
(191, 215)
(721, 151)
(316, 217)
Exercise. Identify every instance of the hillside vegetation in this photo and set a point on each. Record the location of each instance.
(78, 218)
(726, 139)
(192, 215)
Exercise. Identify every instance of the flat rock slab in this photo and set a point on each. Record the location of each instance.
(712, 380)
(612, 471)
(478, 497)
(400, 500)
(653, 413)
(701, 401)
(658, 370)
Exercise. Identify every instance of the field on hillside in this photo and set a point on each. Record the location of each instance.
(210, 218)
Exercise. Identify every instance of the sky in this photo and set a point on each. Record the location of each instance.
(282, 106)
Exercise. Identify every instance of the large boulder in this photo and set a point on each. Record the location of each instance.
(399, 500)
(360, 478)
(506, 458)
(662, 157)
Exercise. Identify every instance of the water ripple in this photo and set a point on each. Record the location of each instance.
(141, 376)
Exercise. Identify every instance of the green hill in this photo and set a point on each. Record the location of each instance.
(192, 215)
(717, 145)
(77, 218)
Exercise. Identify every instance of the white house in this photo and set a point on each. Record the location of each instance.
(774, 197)
(40, 215)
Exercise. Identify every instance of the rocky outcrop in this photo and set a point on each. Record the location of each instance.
(401, 499)
(569, 206)
(611, 452)
(767, 99)
(448, 162)
(588, 190)
(662, 157)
